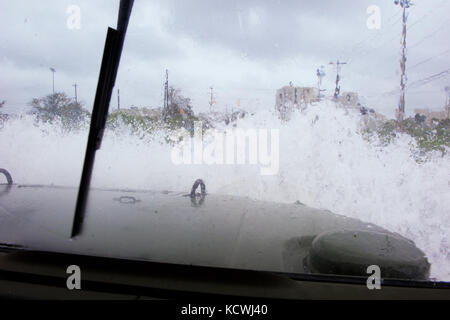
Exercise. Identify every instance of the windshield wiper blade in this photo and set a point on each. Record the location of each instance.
(108, 72)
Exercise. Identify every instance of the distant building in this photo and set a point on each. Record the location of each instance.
(296, 95)
(290, 98)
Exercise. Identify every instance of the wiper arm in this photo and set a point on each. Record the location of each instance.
(108, 72)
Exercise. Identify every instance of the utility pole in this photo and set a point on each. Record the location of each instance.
(76, 96)
(320, 74)
(53, 73)
(211, 101)
(337, 90)
(166, 97)
(118, 99)
(405, 4)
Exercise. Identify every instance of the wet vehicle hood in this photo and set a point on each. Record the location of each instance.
(171, 227)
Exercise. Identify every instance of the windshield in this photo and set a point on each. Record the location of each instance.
(294, 136)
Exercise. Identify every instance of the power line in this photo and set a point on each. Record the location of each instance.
(431, 34)
(431, 78)
(429, 59)
(439, 6)
(416, 23)
(421, 82)
(359, 45)
(373, 50)
(366, 51)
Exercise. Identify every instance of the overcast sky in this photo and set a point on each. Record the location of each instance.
(246, 50)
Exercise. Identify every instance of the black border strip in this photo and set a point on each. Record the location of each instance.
(324, 278)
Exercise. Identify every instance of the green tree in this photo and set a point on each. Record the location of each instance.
(58, 107)
(179, 111)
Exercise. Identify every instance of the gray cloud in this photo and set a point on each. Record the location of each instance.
(245, 49)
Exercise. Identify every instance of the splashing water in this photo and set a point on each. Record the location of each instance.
(324, 163)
